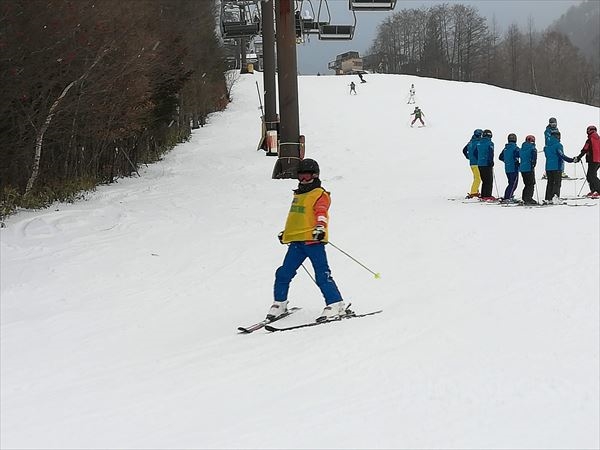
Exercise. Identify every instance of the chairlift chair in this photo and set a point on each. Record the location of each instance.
(371, 5)
(334, 32)
(237, 21)
(307, 25)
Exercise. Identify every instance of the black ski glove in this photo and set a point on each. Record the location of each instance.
(319, 233)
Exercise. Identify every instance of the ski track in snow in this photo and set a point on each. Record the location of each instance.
(119, 312)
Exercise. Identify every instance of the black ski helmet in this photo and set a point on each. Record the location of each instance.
(487, 133)
(512, 137)
(478, 132)
(308, 166)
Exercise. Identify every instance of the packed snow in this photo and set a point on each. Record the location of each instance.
(119, 312)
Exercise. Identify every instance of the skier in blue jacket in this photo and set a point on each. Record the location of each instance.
(484, 151)
(554, 167)
(510, 156)
(528, 159)
(469, 152)
(552, 126)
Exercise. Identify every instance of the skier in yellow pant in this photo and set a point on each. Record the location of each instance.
(469, 153)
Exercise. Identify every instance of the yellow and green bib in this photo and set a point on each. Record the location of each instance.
(301, 219)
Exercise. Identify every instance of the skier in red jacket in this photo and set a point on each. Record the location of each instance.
(591, 149)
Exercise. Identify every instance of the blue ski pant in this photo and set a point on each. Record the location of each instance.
(513, 180)
(296, 254)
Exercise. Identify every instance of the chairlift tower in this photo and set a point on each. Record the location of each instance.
(290, 29)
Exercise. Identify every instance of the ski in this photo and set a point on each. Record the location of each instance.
(314, 324)
(582, 204)
(263, 323)
(546, 205)
(481, 202)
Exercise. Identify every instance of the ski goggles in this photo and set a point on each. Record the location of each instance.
(305, 176)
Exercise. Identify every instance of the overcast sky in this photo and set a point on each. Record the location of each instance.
(313, 56)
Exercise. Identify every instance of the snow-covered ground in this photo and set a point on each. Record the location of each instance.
(119, 313)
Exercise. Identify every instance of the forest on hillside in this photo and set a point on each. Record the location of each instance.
(454, 42)
(91, 89)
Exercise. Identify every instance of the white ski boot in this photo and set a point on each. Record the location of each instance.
(277, 309)
(332, 312)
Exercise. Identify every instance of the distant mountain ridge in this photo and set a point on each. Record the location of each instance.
(581, 23)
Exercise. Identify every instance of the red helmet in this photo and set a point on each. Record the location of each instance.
(591, 129)
(530, 138)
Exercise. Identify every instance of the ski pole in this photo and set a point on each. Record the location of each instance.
(495, 184)
(584, 173)
(377, 275)
(309, 274)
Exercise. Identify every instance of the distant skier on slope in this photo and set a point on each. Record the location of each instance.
(352, 88)
(362, 80)
(555, 158)
(306, 232)
(418, 115)
(591, 149)
(510, 156)
(411, 94)
(484, 151)
(469, 152)
(528, 160)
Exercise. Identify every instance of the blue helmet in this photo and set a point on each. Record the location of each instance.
(477, 133)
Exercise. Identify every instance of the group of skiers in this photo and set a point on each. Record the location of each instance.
(480, 153)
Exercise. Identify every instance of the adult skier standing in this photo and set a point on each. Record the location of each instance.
(591, 149)
(418, 115)
(484, 151)
(352, 87)
(552, 126)
(554, 167)
(528, 160)
(510, 156)
(306, 232)
(469, 152)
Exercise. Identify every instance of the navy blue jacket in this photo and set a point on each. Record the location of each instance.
(484, 152)
(528, 156)
(555, 155)
(510, 156)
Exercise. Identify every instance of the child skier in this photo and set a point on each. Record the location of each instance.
(592, 149)
(411, 94)
(418, 115)
(469, 152)
(510, 156)
(554, 167)
(528, 159)
(306, 233)
(352, 88)
(484, 150)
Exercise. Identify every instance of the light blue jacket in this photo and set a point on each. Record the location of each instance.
(555, 156)
(510, 156)
(528, 157)
(469, 151)
(484, 151)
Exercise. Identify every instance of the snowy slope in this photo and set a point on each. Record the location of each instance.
(119, 313)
